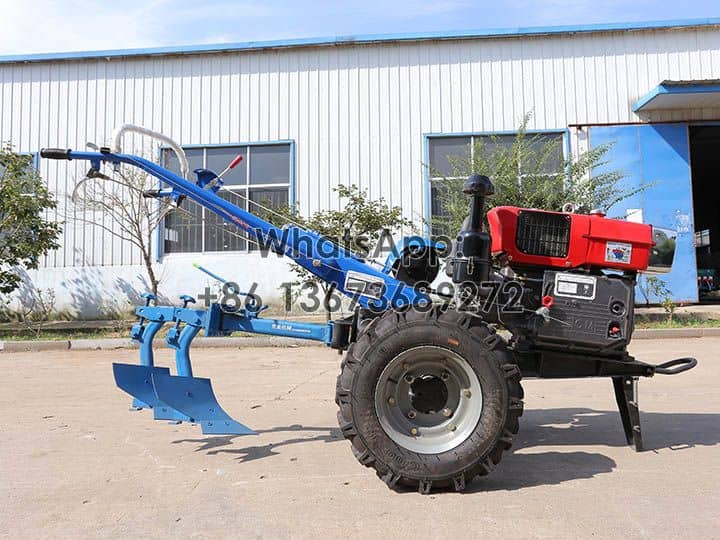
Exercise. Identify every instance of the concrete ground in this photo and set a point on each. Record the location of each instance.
(75, 463)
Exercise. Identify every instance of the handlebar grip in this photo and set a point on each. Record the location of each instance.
(55, 153)
(678, 365)
(234, 163)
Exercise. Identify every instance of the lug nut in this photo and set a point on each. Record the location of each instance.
(413, 431)
(445, 376)
(409, 378)
(391, 400)
(411, 414)
(446, 412)
(452, 427)
(467, 394)
(406, 366)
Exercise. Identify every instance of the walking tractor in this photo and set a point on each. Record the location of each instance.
(428, 393)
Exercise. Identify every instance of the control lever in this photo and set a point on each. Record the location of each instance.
(234, 163)
(218, 178)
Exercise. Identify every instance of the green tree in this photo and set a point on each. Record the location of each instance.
(25, 235)
(524, 175)
(357, 226)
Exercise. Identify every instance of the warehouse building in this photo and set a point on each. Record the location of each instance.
(374, 111)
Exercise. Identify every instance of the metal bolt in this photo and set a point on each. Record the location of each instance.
(411, 414)
(467, 394)
(445, 376)
(391, 400)
(409, 378)
(406, 366)
(413, 431)
(452, 427)
(447, 413)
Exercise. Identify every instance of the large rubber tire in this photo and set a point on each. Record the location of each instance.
(384, 339)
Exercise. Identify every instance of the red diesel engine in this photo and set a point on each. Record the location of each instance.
(568, 241)
(566, 280)
(561, 259)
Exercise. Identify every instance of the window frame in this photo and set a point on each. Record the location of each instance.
(160, 231)
(428, 178)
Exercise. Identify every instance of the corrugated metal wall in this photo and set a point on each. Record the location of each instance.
(357, 113)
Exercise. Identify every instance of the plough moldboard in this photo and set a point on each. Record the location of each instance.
(428, 394)
(184, 397)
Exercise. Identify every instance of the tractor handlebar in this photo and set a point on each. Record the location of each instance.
(55, 153)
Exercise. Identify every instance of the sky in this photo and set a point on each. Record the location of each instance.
(34, 26)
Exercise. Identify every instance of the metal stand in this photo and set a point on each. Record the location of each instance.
(626, 395)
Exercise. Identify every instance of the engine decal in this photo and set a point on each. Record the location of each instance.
(575, 286)
(364, 284)
(618, 252)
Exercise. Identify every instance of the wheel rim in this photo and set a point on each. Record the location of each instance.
(428, 399)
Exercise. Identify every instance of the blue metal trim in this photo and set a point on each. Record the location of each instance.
(364, 39)
(427, 193)
(427, 207)
(229, 144)
(568, 153)
(674, 89)
(278, 327)
(291, 194)
(487, 133)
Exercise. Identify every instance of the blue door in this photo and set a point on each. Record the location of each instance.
(657, 155)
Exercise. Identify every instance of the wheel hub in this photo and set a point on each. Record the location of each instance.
(428, 399)
(428, 394)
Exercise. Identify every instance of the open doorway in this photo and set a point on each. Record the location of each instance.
(705, 170)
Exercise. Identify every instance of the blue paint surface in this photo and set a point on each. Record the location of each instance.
(372, 38)
(657, 156)
(674, 89)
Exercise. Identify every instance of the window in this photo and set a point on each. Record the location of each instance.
(445, 151)
(262, 177)
(702, 238)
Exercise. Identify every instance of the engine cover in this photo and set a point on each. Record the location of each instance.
(560, 240)
(593, 311)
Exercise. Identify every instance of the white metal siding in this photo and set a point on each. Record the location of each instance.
(357, 113)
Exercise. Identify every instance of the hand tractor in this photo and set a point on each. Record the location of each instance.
(429, 392)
